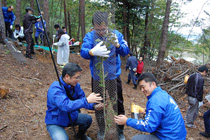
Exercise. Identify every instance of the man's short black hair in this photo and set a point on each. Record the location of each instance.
(63, 27)
(56, 26)
(203, 68)
(60, 32)
(71, 69)
(100, 18)
(148, 77)
(17, 25)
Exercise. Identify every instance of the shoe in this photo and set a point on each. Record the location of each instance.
(84, 137)
(190, 126)
(205, 134)
(120, 130)
(33, 53)
(128, 82)
(27, 56)
(100, 135)
(135, 87)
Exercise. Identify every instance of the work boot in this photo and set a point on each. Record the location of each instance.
(29, 56)
(100, 135)
(135, 87)
(205, 134)
(82, 136)
(128, 82)
(120, 133)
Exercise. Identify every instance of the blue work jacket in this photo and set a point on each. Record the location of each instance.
(132, 63)
(8, 16)
(111, 64)
(38, 25)
(59, 105)
(163, 117)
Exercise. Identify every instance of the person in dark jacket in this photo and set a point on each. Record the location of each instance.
(163, 117)
(9, 18)
(195, 95)
(28, 22)
(64, 100)
(206, 117)
(132, 64)
(93, 49)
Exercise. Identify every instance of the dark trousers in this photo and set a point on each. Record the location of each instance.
(206, 117)
(114, 89)
(30, 44)
(7, 27)
(21, 39)
(138, 76)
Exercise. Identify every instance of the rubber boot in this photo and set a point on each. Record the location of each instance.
(36, 39)
(128, 82)
(120, 129)
(135, 87)
(101, 124)
(81, 136)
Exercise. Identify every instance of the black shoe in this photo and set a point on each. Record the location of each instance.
(29, 56)
(128, 82)
(135, 87)
(83, 137)
(33, 53)
(207, 135)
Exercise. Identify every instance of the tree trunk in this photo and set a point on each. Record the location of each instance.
(65, 16)
(18, 12)
(69, 23)
(164, 34)
(125, 21)
(82, 14)
(32, 4)
(4, 3)
(79, 25)
(46, 18)
(2, 26)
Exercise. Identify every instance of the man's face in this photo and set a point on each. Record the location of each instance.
(17, 28)
(147, 87)
(101, 30)
(203, 74)
(30, 12)
(11, 9)
(73, 80)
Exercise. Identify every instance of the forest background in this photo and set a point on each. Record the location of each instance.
(147, 25)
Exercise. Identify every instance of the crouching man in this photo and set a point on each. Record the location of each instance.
(64, 100)
(163, 117)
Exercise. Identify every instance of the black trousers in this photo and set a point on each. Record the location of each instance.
(7, 27)
(114, 89)
(30, 44)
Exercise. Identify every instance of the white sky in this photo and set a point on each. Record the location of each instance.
(192, 10)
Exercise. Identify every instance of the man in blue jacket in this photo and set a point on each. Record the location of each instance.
(163, 117)
(132, 64)
(40, 30)
(104, 45)
(9, 18)
(64, 100)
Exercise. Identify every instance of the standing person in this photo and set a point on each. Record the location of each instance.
(57, 27)
(28, 22)
(64, 29)
(163, 117)
(195, 95)
(9, 18)
(206, 117)
(92, 49)
(18, 33)
(64, 100)
(63, 48)
(140, 68)
(131, 64)
(40, 30)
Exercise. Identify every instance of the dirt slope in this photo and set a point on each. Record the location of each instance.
(22, 113)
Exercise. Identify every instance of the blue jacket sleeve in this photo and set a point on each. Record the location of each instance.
(127, 64)
(87, 45)
(151, 122)
(65, 104)
(199, 89)
(123, 50)
(13, 18)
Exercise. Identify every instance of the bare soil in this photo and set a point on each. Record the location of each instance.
(22, 112)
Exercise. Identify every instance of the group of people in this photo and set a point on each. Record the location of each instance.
(135, 67)
(163, 118)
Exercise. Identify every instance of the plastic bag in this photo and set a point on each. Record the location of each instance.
(135, 111)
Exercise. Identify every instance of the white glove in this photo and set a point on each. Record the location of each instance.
(11, 27)
(54, 36)
(113, 40)
(99, 50)
(200, 104)
(134, 69)
(55, 44)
